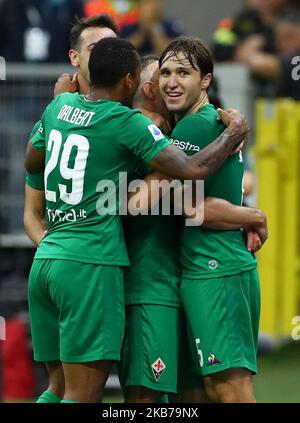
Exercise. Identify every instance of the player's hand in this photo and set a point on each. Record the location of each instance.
(241, 146)
(238, 120)
(245, 140)
(253, 241)
(66, 83)
(260, 229)
(158, 120)
(229, 116)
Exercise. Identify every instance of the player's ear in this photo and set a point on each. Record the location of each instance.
(206, 81)
(128, 80)
(74, 59)
(148, 90)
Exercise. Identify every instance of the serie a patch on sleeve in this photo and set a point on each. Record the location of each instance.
(156, 132)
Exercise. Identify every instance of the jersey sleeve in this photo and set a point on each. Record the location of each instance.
(34, 129)
(38, 138)
(35, 181)
(144, 139)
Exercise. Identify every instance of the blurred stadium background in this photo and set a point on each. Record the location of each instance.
(33, 40)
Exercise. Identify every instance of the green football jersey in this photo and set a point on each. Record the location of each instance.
(35, 181)
(154, 251)
(87, 145)
(208, 253)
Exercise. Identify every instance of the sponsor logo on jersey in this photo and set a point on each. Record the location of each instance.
(156, 132)
(71, 215)
(213, 264)
(186, 145)
(158, 367)
(212, 359)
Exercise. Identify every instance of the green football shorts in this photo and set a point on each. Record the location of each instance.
(153, 347)
(223, 314)
(150, 349)
(76, 311)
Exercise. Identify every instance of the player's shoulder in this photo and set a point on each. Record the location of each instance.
(199, 126)
(128, 111)
(205, 118)
(64, 98)
(207, 113)
(133, 117)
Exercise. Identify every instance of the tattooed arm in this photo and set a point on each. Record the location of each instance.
(175, 163)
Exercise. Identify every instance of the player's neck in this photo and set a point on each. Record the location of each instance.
(202, 101)
(151, 107)
(144, 105)
(84, 85)
(102, 93)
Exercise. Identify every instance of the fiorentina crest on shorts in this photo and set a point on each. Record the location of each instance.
(212, 360)
(158, 367)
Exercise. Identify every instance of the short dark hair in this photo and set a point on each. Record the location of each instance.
(147, 60)
(195, 51)
(110, 60)
(99, 21)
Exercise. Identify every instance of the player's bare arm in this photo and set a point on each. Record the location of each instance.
(34, 222)
(219, 214)
(143, 196)
(34, 160)
(175, 163)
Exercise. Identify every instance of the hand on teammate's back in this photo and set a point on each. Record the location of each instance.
(253, 241)
(236, 118)
(66, 83)
(260, 230)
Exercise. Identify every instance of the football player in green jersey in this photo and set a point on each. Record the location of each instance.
(219, 287)
(154, 321)
(85, 140)
(84, 34)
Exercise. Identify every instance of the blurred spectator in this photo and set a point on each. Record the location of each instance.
(124, 12)
(152, 33)
(294, 4)
(26, 26)
(13, 23)
(277, 67)
(58, 16)
(257, 18)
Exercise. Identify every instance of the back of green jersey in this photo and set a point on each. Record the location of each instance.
(88, 145)
(154, 252)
